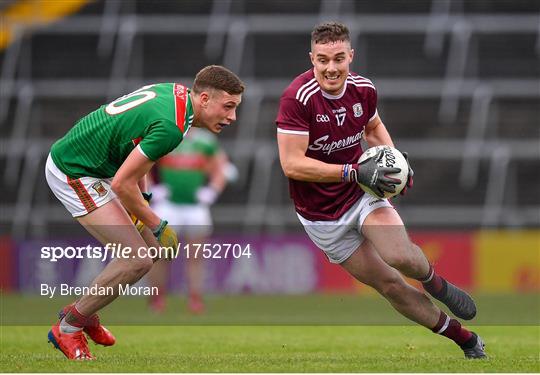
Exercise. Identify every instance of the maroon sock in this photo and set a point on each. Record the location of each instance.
(433, 283)
(452, 329)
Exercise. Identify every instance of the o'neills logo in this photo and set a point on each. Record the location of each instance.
(179, 91)
(374, 202)
(342, 144)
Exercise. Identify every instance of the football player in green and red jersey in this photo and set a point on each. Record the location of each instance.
(98, 171)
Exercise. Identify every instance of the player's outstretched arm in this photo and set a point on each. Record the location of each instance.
(296, 165)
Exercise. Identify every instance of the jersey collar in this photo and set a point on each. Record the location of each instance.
(334, 97)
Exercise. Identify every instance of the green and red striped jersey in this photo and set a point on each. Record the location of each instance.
(154, 118)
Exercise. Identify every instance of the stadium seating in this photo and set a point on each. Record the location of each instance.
(458, 85)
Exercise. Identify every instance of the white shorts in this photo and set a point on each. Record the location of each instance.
(340, 238)
(80, 196)
(190, 220)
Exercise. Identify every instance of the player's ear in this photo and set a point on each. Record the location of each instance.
(311, 57)
(351, 54)
(205, 98)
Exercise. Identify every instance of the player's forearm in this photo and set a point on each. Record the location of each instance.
(131, 198)
(217, 179)
(143, 184)
(218, 182)
(312, 170)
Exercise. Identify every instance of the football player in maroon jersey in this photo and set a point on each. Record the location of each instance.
(323, 116)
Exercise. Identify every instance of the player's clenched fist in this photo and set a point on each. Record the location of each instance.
(410, 175)
(166, 237)
(369, 173)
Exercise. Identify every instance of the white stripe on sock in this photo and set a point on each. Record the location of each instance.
(445, 325)
(430, 277)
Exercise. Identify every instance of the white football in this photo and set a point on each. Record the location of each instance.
(392, 158)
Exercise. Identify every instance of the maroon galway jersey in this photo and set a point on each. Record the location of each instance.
(335, 126)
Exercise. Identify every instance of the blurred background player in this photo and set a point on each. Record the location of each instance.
(190, 179)
(323, 116)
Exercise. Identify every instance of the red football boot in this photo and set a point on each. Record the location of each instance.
(73, 345)
(98, 333)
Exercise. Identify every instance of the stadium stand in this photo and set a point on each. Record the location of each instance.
(458, 83)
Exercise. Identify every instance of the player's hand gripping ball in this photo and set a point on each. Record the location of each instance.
(390, 171)
(410, 181)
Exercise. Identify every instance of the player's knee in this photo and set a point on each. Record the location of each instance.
(140, 267)
(416, 249)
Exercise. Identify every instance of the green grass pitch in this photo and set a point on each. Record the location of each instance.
(278, 343)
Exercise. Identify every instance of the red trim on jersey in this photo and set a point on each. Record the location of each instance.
(82, 193)
(183, 162)
(136, 141)
(180, 99)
